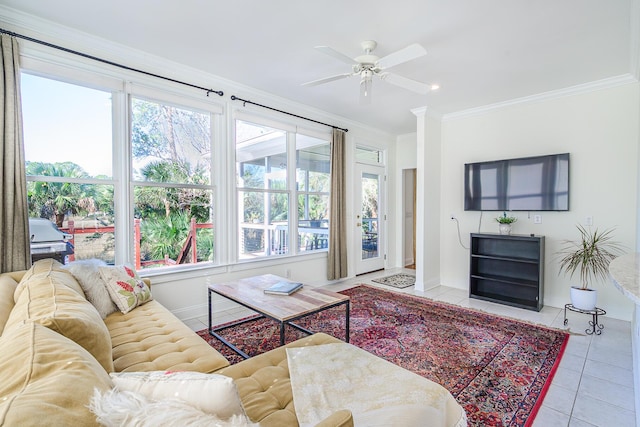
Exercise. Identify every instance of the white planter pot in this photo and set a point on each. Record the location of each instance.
(584, 299)
(504, 228)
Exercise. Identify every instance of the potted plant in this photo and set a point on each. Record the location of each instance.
(591, 255)
(505, 222)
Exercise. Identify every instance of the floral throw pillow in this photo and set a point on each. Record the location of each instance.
(126, 288)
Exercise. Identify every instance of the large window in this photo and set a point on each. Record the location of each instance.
(173, 195)
(263, 196)
(268, 179)
(68, 152)
(151, 205)
(136, 173)
(312, 184)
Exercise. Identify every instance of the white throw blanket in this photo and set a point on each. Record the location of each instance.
(330, 377)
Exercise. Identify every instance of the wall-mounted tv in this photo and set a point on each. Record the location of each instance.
(538, 183)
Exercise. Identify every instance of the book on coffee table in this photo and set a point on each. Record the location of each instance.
(283, 288)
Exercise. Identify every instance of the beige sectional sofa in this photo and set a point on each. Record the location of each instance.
(55, 349)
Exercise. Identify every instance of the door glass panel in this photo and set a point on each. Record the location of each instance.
(370, 198)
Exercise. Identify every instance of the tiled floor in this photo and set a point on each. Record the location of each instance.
(593, 385)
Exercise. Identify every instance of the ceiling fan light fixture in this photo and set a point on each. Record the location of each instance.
(367, 65)
(365, 87)
(366, 76)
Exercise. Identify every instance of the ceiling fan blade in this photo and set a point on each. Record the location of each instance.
(327, 79)
(412, 85)
(410, 52)
(338, 55)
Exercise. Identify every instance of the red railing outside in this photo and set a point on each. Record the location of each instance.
(189, 245)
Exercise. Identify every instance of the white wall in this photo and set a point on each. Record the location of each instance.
(428, 183)
(599, 129)
(405, 158)
(185, 294)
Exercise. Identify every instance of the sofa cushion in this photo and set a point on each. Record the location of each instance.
(264, 385)
(210, 393)
(48, 266)
(116, 408)
(151, 338)
(46, 379)
(126, 288)
(7, 289)
(47, 300)
(87, 273)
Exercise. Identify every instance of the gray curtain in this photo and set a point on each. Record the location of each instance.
(337, 260)
(14, 219)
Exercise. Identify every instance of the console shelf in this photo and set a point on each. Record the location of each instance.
(508, 269)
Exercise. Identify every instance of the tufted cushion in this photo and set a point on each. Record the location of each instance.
(52, 267)
(151, 338)
(264, 385)
(7, 289)
(47, 300)
(47, 379)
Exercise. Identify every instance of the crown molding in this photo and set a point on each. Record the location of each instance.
(554, 94)
(426, 111)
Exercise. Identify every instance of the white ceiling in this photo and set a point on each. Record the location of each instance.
(479, 52)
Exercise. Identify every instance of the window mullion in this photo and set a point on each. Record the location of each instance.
(293, 196)
(123, 191)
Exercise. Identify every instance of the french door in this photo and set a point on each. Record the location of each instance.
(369, 218)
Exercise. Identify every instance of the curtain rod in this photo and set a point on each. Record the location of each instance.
(245, 101)
(115, 64)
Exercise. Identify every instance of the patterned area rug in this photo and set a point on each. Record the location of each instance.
(400, 280)
(497, 369)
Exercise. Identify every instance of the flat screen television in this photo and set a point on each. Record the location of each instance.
(538, 183)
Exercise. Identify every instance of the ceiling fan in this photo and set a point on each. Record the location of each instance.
(368, 65)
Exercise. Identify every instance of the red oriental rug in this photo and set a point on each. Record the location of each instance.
(498, 369)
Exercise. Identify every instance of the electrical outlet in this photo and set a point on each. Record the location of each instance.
(287, 273)
(453, 216)
(588, 220)
(537, 219)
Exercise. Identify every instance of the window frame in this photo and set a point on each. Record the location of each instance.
(308, 193)
(291, 129)
(146, 94)
(122, 180)
(122, 85)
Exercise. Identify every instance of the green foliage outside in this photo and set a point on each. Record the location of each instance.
(173, 144)
(54, 200)
(168, 235)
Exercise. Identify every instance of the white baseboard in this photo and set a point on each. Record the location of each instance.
(193, 312)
